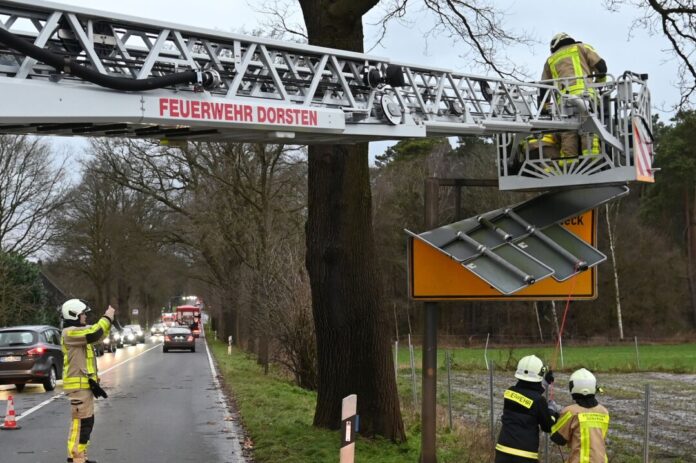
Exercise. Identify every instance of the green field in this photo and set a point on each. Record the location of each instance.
(277, 415)
(677, 358)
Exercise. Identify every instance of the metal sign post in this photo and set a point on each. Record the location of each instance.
(429, 402)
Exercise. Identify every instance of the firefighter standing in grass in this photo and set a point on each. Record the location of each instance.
(525, 410)
(583, 426)
(80, 378)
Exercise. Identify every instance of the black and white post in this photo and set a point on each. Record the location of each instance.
(349, 425)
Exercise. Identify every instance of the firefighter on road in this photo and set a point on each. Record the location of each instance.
(525, 410)
(80, 378)
(583, 425)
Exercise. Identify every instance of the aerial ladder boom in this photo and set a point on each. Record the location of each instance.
(79, 72)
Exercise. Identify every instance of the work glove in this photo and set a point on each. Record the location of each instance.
(547, 380)
(97, 390)
(548, 377)
(110, 313)
(554, 407)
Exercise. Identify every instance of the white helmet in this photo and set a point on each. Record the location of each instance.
(556, 39)
(73, 308)
(530, 368)
(583, 382)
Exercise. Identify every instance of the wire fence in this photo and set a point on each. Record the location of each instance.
(651, 412)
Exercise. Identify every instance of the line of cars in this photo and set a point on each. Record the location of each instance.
(128, 335)
(32, 354)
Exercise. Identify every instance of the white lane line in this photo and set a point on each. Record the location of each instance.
(61, 394)
(231, 425)
(129, 359)
(212, 366)
(42, 404)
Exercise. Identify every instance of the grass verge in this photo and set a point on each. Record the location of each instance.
(277, 416)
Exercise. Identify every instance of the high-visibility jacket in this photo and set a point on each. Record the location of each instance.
(79, 360)
(576, 60)
(585, 431)
(525, 410)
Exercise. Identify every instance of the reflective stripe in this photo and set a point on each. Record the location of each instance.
(564, 419)
(80, 382)
(589, 421)
(72, 438)
(572, 53)
(523, 400)
(102, 323)
(594, 149)
(90, 361)
(517, 452)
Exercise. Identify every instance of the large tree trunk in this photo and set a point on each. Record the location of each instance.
(354, 353)
(690, 209)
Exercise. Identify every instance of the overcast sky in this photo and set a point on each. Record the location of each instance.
(587, 21)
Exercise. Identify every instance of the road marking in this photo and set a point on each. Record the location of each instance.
(212, 367)
(230, 425)
(61, 394)
(129, 359)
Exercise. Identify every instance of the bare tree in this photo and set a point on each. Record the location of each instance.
(109, 235)
(231, 203)
(676, 19)
(31, 192)
(354, 353)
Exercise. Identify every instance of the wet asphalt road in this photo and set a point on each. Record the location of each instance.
(161, 408)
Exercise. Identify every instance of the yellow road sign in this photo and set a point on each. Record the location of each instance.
(433, 276)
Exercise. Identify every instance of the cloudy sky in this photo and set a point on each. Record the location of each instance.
(609, 32)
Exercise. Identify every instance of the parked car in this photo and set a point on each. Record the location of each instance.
(157, 329)
(129, 336)
(138, 331)
(30, 354)
(178, 337)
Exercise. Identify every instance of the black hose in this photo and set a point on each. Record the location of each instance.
(70, 66)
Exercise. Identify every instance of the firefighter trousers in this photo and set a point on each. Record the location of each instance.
(81, 424)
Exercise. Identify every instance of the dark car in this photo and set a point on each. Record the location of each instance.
(109, 343)
(178, 337)
(158, 329)
(30, 354)
(116, 336)
(137, 330)
(129, 336)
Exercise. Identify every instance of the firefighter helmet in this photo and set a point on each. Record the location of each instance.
(557, 39)
(530, 368)
(73, 308)
(583, 382)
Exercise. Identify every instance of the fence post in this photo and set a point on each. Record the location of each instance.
(349, 426)
(448, 361)
(546, 435)
(413, 373)
(396, 359)
(646, 426)
(635, 341)
(229, 345)
(490, 366)
(485, 350)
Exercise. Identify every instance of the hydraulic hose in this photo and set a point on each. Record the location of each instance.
(70, 66)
